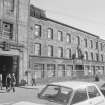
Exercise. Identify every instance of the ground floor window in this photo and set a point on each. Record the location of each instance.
(51, 70)
(101, 70)
(69, 69)
(38, 71)
(61, 70)
(86, 70)
(93, 71)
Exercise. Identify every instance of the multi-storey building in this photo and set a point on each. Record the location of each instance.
(14, 16)
(36, 47)
(59, 51)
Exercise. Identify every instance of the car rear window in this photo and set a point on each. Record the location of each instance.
(79, 96)
(56, 93)
(93, 92)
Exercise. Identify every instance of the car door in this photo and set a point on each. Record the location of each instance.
(80, 97)
(95, 97)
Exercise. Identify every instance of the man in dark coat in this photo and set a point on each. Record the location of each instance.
(13, 82)
(8, 82)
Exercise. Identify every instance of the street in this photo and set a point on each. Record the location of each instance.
(21, 94)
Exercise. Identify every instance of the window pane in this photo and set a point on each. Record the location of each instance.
(78, 40)
(50, 51)
(86, 55)
(93, 92)
(85, 42)
(51, 70)
(79, 96)
(68, 38)
(60, 52)
(91, 56)
(68, 53)
(97, 57)
(37, 49)
(91, 44)
(69, 69)
(61, 70)
(101, 46)
(9, 5)
(37, 30)
(96, 45)
(60, 36)
(8, 30)
(101, 57)
(50, 33)
(58, 94)
(38, 71)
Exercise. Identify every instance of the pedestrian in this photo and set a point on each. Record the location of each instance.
(8, 82)
(33, 82)
(97, 76)
(13, 81)
(1, 81)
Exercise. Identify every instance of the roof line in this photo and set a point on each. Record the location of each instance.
(58, 22)
(71, 27)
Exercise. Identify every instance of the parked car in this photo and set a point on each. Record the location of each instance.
(69, 93)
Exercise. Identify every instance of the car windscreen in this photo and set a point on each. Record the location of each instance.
(56, 93)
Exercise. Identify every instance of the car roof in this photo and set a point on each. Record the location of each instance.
(73, 84)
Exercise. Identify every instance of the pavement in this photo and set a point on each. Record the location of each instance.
(40, 86)
(21, 94)
(32, 87)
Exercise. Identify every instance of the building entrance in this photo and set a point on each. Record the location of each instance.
(8, 64)
(79, 70)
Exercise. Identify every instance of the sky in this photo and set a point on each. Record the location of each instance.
(87, 15)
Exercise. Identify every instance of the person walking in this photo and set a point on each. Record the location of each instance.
(13, 82)
(33, 82)
(1, 81)
(8, 82)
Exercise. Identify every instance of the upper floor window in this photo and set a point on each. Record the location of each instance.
(85, 42)
(50, 51)
(91, 56)
(97, 57)
(8, 30)
(9, 5)
(101, 57)
(38, 30)
(60, 52)
(78, 40)
(101, 46)
(60, 36)
(68, 53)
(50, 33)
(68, 38)
(91, 43)
(96, 45)
(86, 55)
(37, 49)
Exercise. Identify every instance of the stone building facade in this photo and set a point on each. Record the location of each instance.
(14, 16)
(36, 47)
(58, 51)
